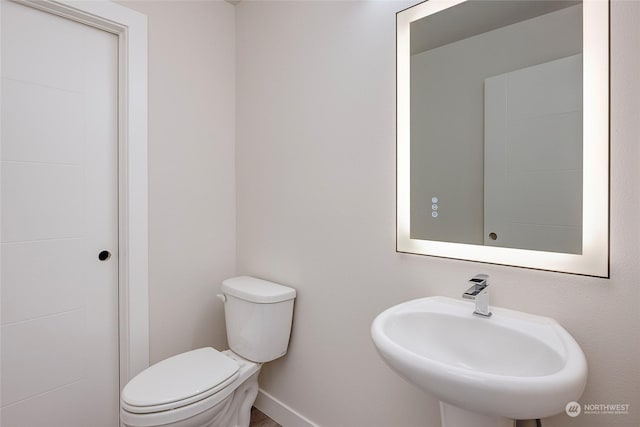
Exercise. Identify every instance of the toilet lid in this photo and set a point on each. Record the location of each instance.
(180, 380)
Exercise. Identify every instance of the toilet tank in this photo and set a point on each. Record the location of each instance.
(258, 315)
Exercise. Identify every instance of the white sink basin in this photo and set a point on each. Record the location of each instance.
(513, 365)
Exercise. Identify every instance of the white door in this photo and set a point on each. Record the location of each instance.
(59, 354)
(533, 157)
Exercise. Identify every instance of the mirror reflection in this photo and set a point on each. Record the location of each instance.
(496, 118)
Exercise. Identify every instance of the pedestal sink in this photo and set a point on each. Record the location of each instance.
(486, 371)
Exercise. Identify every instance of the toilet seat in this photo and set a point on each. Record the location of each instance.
(217, 403)
(179, 381)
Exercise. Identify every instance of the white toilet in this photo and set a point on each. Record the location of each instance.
(208, 388)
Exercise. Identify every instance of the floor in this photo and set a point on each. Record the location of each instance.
(258, 419)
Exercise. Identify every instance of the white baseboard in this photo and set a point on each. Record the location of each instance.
(279, 412)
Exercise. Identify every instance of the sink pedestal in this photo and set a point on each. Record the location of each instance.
(453, 416)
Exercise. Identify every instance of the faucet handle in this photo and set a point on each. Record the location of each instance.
(479, 283)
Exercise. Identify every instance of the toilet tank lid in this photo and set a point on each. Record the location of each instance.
(257, 290)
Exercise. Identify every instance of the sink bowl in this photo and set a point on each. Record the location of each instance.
(513, 365)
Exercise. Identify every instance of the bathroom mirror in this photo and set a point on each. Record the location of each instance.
(503, 132)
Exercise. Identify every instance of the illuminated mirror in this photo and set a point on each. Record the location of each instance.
(503, 132)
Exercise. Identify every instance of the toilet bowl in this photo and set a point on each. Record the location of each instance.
(209, 388)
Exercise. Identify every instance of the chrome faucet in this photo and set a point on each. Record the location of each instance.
(480, 294)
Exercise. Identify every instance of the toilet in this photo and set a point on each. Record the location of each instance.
(209, 388)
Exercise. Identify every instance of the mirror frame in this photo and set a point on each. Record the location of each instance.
(594, 260)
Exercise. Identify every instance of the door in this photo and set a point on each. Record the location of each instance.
(59, 224)
(533, 157)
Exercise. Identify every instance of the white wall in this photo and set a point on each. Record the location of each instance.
(191, 170)
(316, 210)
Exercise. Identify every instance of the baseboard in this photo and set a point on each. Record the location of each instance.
(279, 412)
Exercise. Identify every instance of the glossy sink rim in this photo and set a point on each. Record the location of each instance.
(490, 393)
